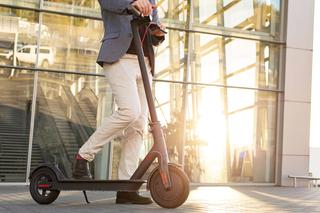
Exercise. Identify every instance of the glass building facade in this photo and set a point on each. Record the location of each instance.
(216, 87)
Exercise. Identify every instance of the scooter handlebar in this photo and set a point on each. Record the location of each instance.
(135, 11)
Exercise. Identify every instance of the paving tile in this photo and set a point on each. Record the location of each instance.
(201, 200)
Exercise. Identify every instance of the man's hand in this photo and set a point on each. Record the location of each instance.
(144, 6)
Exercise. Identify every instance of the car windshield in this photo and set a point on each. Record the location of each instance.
(46, 51)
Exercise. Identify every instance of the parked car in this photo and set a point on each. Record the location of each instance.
(28, 54)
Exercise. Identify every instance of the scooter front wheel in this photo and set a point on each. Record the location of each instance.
(40, 184)
(178, 193)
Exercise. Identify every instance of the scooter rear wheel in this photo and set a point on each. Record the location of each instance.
(178, 193)
(40, 184)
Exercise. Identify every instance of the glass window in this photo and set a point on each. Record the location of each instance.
(247, 15)
(230, 133)
(18, 31)
(173, 13)
(73, 43)
(170, 56)
(218, 60)
(25, 50)
(84, 7)
(69, 108)
(16, 88)
(22, 3)
(259, 18)
(44, 51)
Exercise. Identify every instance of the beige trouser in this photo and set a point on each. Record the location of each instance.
(129, 120)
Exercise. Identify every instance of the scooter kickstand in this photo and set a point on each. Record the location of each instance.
(85, 196)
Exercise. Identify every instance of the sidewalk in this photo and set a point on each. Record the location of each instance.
(201, 199)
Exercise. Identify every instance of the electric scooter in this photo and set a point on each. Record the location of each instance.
(168, 184)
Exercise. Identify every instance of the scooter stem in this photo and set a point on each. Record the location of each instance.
(159, 148)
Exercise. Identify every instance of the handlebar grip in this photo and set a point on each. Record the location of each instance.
(134, 11)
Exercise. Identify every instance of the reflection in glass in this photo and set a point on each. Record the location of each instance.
(230, 133)
(69, 43)
(169, 56)
(248, 15)
(261, 16)
(18, 37)
(219, 147)
(15, 114)
(173, 11)
(236, 62)
(84, 7)
(22, 3)
(69, 107)
(218, 60)
(256, 16)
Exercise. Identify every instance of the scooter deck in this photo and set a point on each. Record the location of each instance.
(97, 185)
(63, 183)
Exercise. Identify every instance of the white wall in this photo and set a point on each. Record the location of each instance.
(315, 97)
(315, 161)
(297, 91)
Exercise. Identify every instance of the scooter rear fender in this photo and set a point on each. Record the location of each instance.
(53, 167)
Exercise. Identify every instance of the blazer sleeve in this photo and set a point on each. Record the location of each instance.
(155, 17)
(115, 6)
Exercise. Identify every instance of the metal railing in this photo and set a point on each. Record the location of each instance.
(280, 90)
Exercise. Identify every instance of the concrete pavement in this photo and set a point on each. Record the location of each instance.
(201, 199)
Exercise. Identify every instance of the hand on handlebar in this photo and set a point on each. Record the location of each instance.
(144, 6)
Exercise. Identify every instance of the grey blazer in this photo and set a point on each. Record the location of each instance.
(117, 29)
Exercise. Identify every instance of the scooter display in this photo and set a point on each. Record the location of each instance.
(168, 184)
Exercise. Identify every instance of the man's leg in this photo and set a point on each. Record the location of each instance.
(131, 145)
(133, 135)
(123, 84)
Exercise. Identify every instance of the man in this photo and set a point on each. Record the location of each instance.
(119, 60)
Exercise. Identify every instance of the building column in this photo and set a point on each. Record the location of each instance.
(297, 90)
